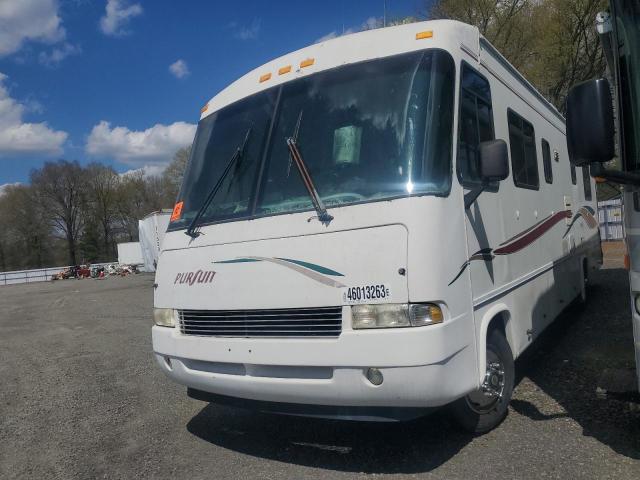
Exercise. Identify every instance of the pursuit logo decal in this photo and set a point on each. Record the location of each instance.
(310, 270)
(199, 276)
(530, 235)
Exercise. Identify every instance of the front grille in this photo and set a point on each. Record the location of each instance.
(290, 322)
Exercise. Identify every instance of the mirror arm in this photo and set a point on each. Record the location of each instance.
(623, 178)
(471, 196)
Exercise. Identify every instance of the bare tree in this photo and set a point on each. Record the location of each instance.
(552, 42)
(25, 237)
(61, 192)
(173, 174)
(102, 189)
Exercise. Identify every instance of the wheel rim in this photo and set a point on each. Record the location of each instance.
(491, 391)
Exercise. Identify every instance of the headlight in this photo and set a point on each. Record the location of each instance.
(395, 315)
(165, 317)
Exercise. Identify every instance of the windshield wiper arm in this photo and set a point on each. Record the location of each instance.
(237, 155)
(292, 143)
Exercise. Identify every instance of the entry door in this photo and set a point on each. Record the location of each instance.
(484, 218)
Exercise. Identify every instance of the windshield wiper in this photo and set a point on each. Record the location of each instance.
(292, 143)
(237, 155)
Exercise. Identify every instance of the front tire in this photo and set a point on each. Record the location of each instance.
(484, 409)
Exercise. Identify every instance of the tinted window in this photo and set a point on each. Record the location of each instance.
(586, 181)
(476, 123)
(546, 161)
(524, 161)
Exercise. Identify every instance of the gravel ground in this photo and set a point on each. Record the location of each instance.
(80, 397)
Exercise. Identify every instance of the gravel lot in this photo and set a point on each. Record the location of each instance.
(80, 397)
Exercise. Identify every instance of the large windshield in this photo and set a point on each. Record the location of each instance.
(369, 131)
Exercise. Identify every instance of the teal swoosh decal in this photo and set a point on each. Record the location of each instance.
(310, 270)
(239, 260)
(313, 266)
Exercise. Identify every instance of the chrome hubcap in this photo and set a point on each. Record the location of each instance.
(492, 389)
(493, 385)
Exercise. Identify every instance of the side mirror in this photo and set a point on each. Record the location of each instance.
(494, 161)
(590, 129)
(494, 167)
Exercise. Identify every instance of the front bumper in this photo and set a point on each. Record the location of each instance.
(422, 367)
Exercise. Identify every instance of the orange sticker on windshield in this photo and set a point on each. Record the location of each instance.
(177, 211)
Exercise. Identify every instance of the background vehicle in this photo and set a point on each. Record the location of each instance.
(376, 225)
(593, 138)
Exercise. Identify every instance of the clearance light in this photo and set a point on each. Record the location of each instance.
(177, 212)
(205, 108)
(423, 35)
(600, 180)
(307, 63)
(284, 70)
(265, 77)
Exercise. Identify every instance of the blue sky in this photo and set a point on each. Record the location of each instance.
(122, 81)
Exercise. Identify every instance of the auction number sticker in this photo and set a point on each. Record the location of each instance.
(372, 293)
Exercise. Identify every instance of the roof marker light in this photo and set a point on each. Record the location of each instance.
(265, 77)
(307, 63)
(205, 108)
(425, 34)
(284, 70)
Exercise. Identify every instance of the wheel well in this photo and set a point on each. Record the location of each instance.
(500, 322)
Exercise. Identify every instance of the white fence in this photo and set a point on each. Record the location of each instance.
(610, 220)
(35, 275)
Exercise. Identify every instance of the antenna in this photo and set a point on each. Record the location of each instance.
(384, 13)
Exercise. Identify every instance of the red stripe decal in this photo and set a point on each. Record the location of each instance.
(533, 234)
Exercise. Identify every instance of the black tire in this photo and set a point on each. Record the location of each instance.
(475, 417)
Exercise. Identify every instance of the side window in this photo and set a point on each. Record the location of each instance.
(574, 180)
(586, 181)
(524, 162)
(546, 161)
(476, 123)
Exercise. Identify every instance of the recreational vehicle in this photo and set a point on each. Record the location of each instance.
(373, 227)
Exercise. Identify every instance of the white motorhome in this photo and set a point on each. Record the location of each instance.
(371, 227)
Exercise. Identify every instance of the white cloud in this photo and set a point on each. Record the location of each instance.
(369, 24)
(4, 186)
(58, 54)
(118, 14)
(179, 68)
(19, 137)
(326, 37)
(247, 32)
(153, 146)
(24, 20)
(147, 171)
